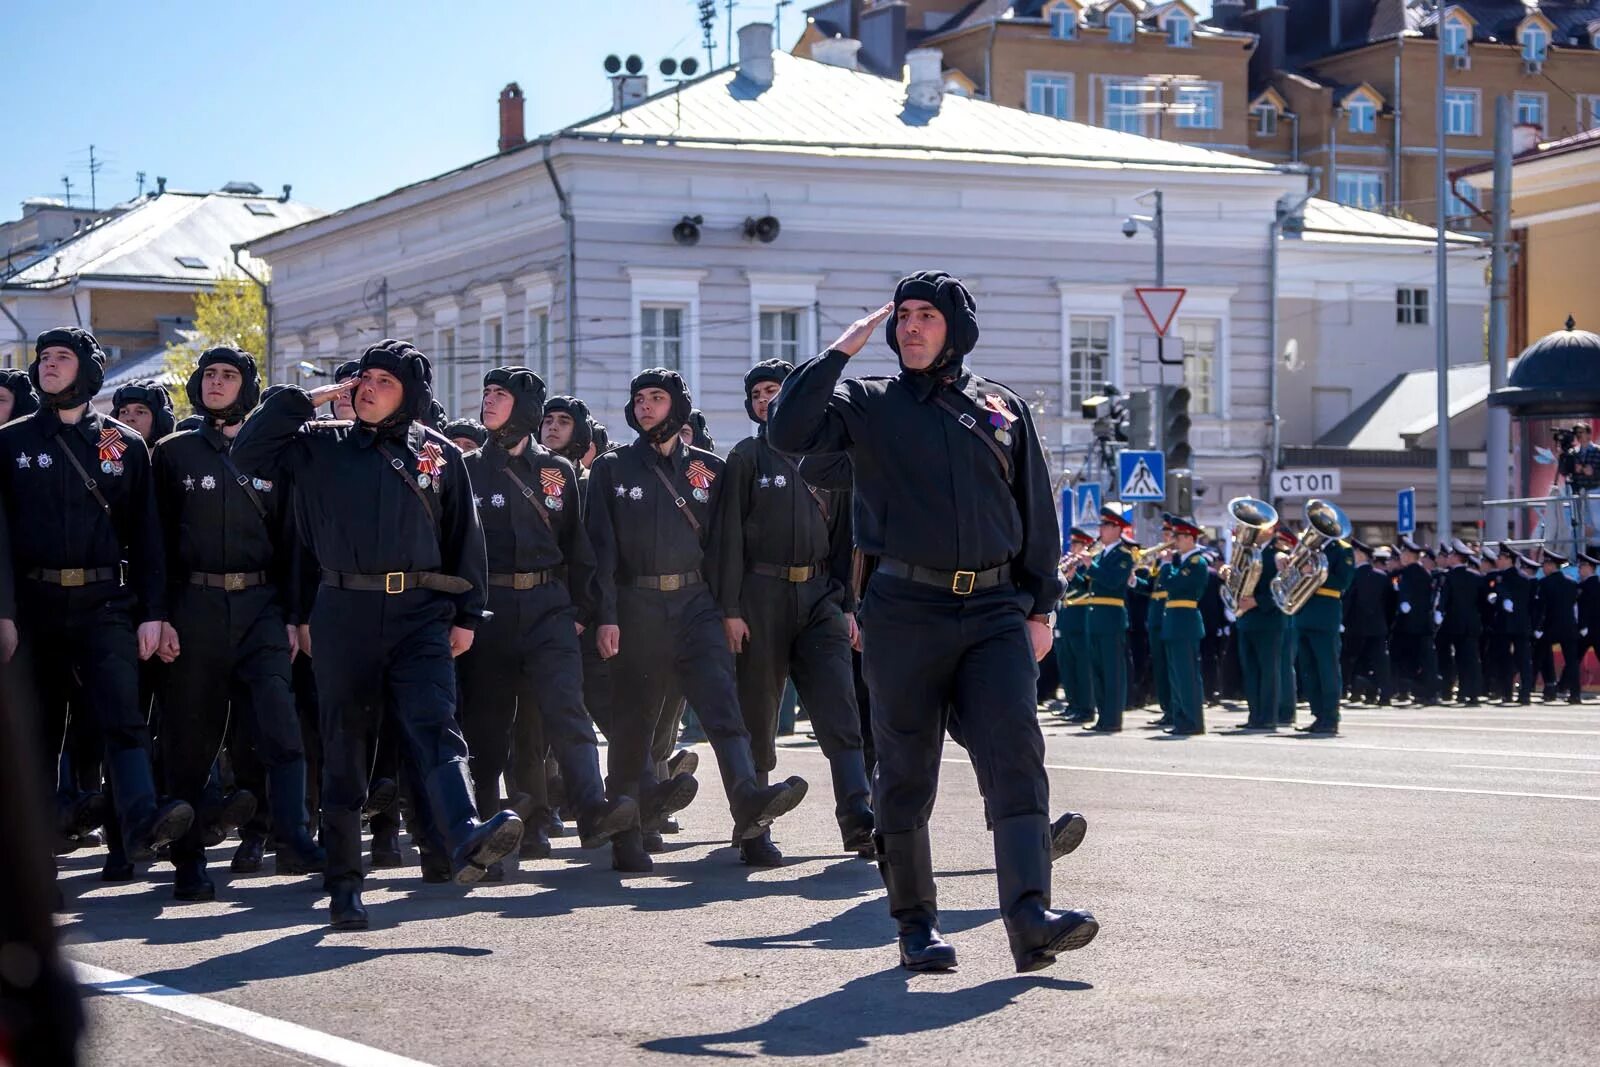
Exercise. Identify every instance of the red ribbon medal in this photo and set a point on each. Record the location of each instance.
(111, 445)
(700, 475)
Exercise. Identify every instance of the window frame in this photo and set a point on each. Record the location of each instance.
(1408, 310)
(1067, 85)
(667, 287)
(1541, 100)
(1361, 104)
(1212, 90)
(1126, 18)
(1261, 112)
(1071, 22)
(1529, 32)
(1217, 387)
(1454, 22)
(1475, 96)
(1110, 82)
(1178, 18)
(784, 292)
(1588, 116)
(1369, 178)
(1088, 301)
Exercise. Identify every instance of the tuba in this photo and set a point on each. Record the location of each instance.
(1253, 523)
(1302, 572)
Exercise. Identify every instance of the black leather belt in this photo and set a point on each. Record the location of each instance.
(788, 574)
(73, 577)
(666, 583)
(396, 582)
(522, 579)
(961, 583)
(232, 582)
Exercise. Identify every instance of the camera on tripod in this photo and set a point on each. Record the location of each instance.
(1109, 413)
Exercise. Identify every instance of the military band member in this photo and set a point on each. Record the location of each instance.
(91, 578)
(1411, 643)
(1183, 578)
(1072, 635)
(1555, 611)
(387, 511)
(1151, 571)
(1317, 634)
(963, 526)
(1259, 627)
(1286, 540)
(1108, 575)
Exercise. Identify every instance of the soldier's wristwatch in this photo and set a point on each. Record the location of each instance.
(1049, 620)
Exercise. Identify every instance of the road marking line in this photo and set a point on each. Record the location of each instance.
(1503, 753)
(1313, 781)
(270, 1031)
(1476, 729)
(1541, 770)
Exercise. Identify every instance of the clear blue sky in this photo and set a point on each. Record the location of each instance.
(344, 99)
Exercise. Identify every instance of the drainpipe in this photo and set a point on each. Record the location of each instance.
(988, 62)
(1294, 121)
(572, 270)
(1333, 154)
(266, 302)
(1394, 181)
(1274, 423)
(22, 334)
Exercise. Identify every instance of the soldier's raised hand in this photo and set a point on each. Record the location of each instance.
(859, 332)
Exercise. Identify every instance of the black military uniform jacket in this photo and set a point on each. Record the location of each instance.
(1555, 607)
(1413, 600)
(635, 523)
(1589, 607)
(517, 539)
(56, 523)
(936, 495)
(1513, 604)
(211, 523)
(770, 514)
(1370, 603)
(1461, 602)
(355, 512)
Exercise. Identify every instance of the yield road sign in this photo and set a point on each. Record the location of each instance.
(1160, 305)
(1141, 475)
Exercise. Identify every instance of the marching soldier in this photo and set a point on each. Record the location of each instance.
(469, 435)
(229, 550)
(1460, 619)
(1183, 578)
(91, 592)
(1588, 612)
(1555, 622)
(1108, 574)
(950, 471)
(146, 407)
(1072, 635)
(387, 511)
(1260, 635)
(1413, 648)
(567, 429)
(525, 661)
(1318, 638)
(1512, 633)
(652, 510)
(783, 579)
(17, 398)
(1368, 610)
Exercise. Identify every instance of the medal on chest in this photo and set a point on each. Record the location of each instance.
(700, 477)
(111, 449)
(1000, 417)
(554, 484)
(430, 464)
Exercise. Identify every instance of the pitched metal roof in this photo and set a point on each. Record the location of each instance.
(1407, 407)
(1325, 220)
(175, 238)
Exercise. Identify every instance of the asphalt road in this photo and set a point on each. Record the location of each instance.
(1419, 890)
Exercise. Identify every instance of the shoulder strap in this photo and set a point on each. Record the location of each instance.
(88, 482)
(244, 483)
(677, 498)
(527, 494)
(971, 425)
(816, 495)
(399, 467)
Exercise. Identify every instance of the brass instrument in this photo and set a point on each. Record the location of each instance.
(1253, 523)
(1076, 558)
(1302, 572)
(1152, 554)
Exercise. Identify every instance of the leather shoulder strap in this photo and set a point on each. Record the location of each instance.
(244, 483)
(398, 466)
(677, 498)
(969, 423)
(527, 494)
(88, 482)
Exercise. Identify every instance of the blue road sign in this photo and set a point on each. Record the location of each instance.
(1087, 511)
(1406, 510)
(1141, 476)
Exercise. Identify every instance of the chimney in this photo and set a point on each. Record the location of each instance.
(837, 52)
(628, 89)
(1228, 14)
(755, 52)
(925, 87)
(511, 128)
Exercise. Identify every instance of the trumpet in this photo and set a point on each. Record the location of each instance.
(1073, 560)
(1152, 555)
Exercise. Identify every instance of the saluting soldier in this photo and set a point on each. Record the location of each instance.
(387, 510)
(653, 506)
(783, 579)
(1184, 578)
(1260, 635)
(1072, 635)
(1460, 619)
(91, 596)
(230, 551)
(1108, 574)
(1317, 633)
(950, 472)
(1556, 623)
(525, 661)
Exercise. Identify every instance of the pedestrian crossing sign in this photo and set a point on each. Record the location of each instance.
(1086, 510)
(1141, 475)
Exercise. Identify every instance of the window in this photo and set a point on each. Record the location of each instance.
(256, 207)
(492, 341)
(1459, 203)
(780, 334)
(1266, 120)
(1363, 114)
(1200, 364)
(1456, 36)
(1535, 43)
(1119, 20)
(443, 357)
(1461, 112)
(1202, 106)
(1411, 307)
(1359, 188)
(1530, 109)
(538, 342)
(661, 336)
(1050, 94)
(1180, 32)
(1124, 100)
(1063, 23)
(1088, 358)
(191, 262)
(1588, 111)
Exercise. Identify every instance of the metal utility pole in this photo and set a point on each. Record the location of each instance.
(94, 168)
(1441, 304)
(1497, 444)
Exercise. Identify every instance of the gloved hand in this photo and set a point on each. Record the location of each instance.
(1438, 618)
(1405, 607)
(1537, 634)
(1508, 605)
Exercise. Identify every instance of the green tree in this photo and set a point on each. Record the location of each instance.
(230, 314)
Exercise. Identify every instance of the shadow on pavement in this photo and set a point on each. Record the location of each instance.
(866, 925)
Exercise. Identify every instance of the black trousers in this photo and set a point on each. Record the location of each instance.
(228, 642)
(1416, 666)
(672, 643)
(926, 651)
(376, 651)
(526, 667)
(1512, 654)
(1567, 680)
(1367, 657)
(797, 630)
(1466, 663)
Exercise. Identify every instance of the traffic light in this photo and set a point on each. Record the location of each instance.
(1139, 421)
(1175, 428)
(1180, 492)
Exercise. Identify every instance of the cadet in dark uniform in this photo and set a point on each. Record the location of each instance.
(1411, 643)
(526, 661)
(146, 407)
(783, 579)
(1108, 572)
(1460, 619)
(652, 510)
(1218, 631)
(229, 551)
(1260, 635)
(1588, 612)
(91, 596)
(1317, 633)
(1556, 623)
(1512, 633)
(17, 398)
(469, 435)
(1183, 578)
(387, 511)
(964, 530)
(1072, 636)
(1369, 607)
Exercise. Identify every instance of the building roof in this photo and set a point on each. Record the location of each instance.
(1558, 374)
(983, 12)
(1327, 221)
(1393, 418)
(1498, 21)
(175, 238)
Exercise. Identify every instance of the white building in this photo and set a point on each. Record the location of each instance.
(560, 253)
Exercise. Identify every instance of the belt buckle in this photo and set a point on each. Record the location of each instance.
(232, 583)
(799, 574)
(394, 582)
(522, 580)
(670, 583)
(73, 578)
(963, 583)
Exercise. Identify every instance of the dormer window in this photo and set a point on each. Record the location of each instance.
(1063, 23)
(1180, 31)
(1363, 114)
(1456, 36)
(1266, 117)
(1535, 42)
(1119, 21)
